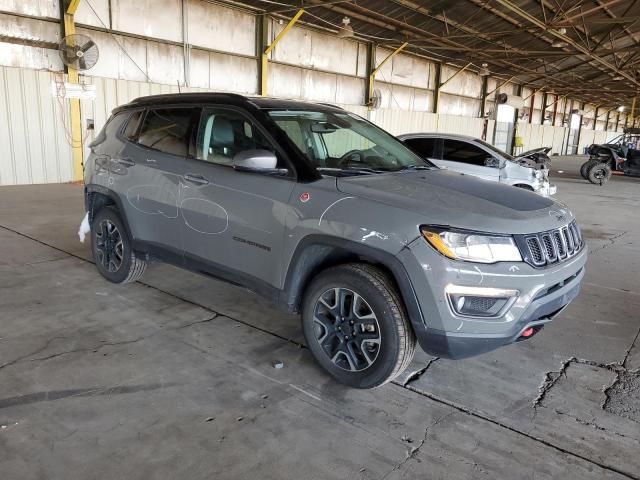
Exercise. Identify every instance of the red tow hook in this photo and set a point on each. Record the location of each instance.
(527, 333)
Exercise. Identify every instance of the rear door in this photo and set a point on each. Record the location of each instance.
(157, 152)
(234, 220)
(465, 157)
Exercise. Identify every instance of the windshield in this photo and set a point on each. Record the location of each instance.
(344, 144)
(494, 149)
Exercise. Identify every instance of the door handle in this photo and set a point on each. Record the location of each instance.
(126, 161)
(194, 178)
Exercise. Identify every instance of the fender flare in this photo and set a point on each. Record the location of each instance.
(107, 192)
(316, 252)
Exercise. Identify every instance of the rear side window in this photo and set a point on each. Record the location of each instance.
(167, 130)
(463, 152)
(422, 146)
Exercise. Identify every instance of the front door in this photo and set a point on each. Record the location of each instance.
(233, 221)
(464, 157)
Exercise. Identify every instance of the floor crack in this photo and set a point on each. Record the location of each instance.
(414, 450)
(550, 379)
(418, 373)
(612, 240)
(515, 430)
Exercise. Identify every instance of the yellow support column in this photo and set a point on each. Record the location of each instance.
(264, 59)
(74, 103)
(372, 75)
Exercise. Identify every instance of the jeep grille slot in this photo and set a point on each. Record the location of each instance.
(553, 246)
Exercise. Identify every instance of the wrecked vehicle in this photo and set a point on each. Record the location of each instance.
(622, 154)
(325, 214)
(476, 157)
(618, 150)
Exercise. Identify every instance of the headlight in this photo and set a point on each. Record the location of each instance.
(472, 247)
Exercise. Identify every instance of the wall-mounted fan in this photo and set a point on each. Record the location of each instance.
(78, 51)
(376, 99)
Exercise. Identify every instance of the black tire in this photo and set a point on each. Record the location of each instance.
(369, 351)
(586, 166)
(599, 173)
(112, 248)
(524, 186)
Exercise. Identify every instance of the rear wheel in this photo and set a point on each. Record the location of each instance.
(355, 325)
(112, 248)
(599, 174)
(586, 166)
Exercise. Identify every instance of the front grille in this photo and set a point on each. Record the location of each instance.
(553, 246)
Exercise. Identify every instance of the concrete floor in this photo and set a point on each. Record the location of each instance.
(172, 377)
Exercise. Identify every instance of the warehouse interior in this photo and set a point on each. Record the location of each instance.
(183, 374)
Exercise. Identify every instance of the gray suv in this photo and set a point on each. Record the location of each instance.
(325, 214)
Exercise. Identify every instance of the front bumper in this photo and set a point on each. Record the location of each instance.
(546, 189)
(543, 293)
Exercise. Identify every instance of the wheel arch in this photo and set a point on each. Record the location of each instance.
(97, 197)
(316, 253)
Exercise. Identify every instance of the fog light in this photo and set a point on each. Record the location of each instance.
(479, 301)
(460, 303)
(478, 306)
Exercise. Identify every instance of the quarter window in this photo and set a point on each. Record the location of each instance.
(167, 130)
(132, 125)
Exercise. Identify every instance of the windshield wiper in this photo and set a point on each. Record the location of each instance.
(415, 167)
(350, 170)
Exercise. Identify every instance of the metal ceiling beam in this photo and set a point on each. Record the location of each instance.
(601, 6)
(531, 19)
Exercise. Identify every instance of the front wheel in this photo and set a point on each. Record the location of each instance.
(112, 248)
(356, 327)
(599, 173)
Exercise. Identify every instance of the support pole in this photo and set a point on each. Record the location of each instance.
(544, 107)
(69, 28)
(264, 58)
(483, 95)
(371, 65)
(436, 92)
(440, 85)
(372, 75)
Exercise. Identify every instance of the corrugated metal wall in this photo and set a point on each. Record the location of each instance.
(34, 143)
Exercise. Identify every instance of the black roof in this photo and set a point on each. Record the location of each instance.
(227, 98)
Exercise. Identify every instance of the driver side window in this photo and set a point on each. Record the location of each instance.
(463, 152)
(224, 133)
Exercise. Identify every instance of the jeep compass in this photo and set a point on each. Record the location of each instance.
(325, 214)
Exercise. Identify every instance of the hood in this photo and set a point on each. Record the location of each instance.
(537, 158)
(443, 197)
(544, 150)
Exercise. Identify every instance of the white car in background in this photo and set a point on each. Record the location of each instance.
(472, 156)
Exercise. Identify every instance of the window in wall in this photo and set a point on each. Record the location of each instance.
(167, 130)
(464, 152)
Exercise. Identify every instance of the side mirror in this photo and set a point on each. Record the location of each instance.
(255, 161)
(493, 162)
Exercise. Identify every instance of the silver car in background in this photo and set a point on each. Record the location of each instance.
(472, 156)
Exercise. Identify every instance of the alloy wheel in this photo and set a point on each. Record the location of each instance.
(109, 246)
(347, 329)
